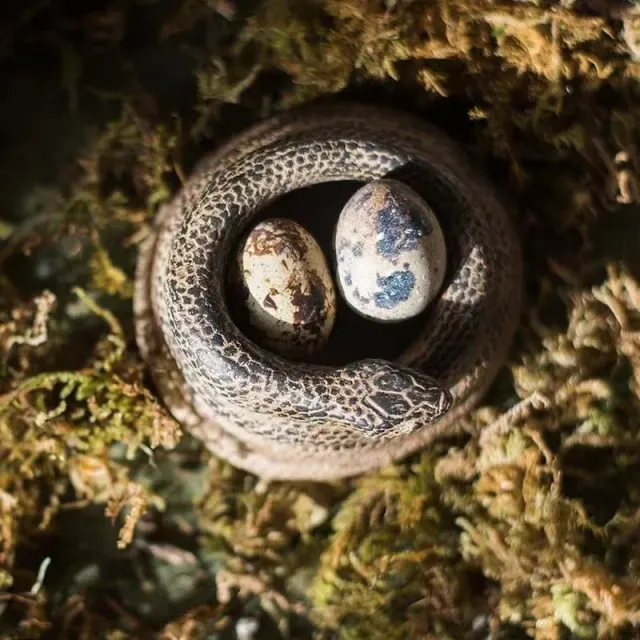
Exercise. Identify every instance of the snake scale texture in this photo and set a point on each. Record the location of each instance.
(286, 420)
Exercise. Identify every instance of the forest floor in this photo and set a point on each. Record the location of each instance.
(114, 524)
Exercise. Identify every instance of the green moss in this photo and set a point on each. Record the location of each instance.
(57, 429)
(393, 568)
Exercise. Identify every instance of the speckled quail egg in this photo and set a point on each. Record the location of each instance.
(390, 252)
(286, 286)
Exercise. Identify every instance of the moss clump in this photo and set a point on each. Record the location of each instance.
(394, 567)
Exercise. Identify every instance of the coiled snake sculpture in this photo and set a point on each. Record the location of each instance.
(286, 420)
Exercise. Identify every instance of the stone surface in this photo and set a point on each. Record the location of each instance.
(390, 252)
(285, 283)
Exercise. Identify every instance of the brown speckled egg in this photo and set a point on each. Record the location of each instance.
(285, 282)
(390, 252)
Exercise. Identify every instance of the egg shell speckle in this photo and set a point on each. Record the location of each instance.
(287, 289)
(390, 252)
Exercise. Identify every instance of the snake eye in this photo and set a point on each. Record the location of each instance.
(393, 381)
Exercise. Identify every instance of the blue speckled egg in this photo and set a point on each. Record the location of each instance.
(390, 252)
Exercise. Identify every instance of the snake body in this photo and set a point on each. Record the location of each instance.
(288, 420)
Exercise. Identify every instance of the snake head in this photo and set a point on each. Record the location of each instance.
(396, 400)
